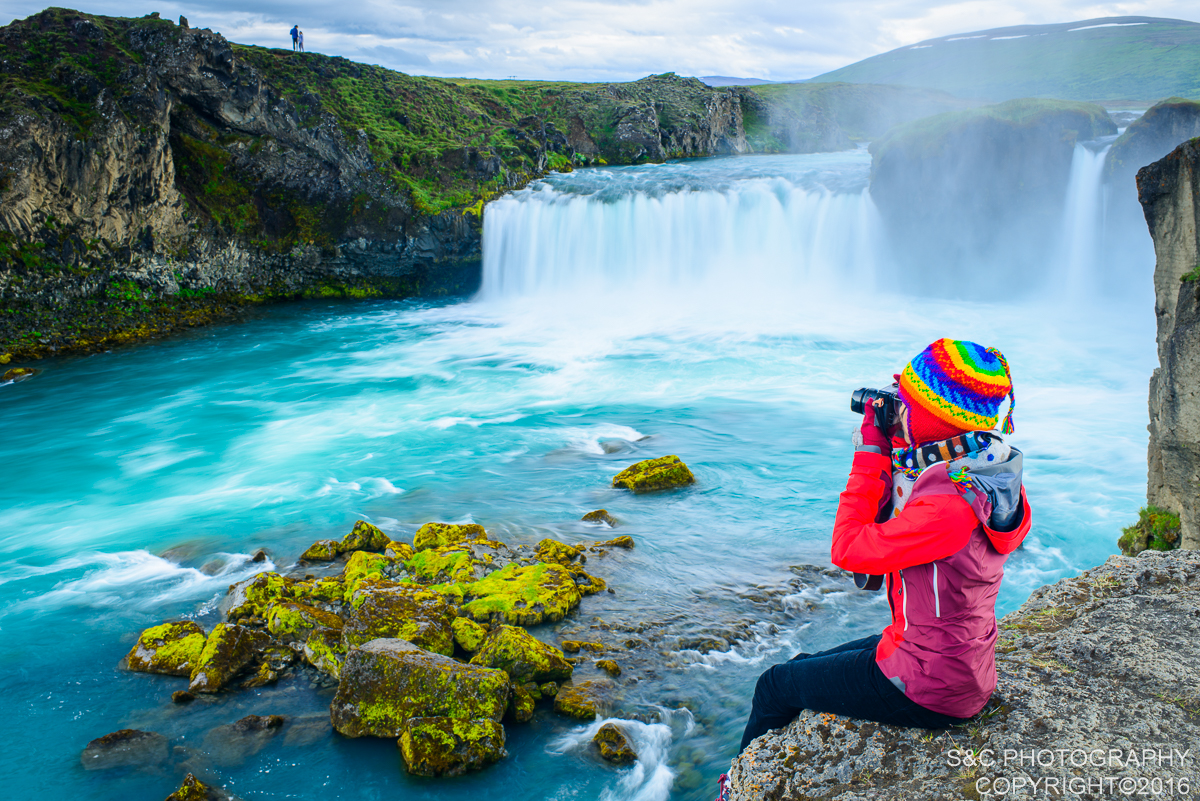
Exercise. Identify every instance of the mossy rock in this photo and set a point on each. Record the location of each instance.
(385, 683)
(329, 591)
(400, 551)
(324, 650)
(585, 581)
(230, 649)
(523, 596)
(522, 656)
(18, 374)
(666, 472)
(192, 789)
(450, 747)
(252, 597)
(609, 666)
(410, 613)
(548, 689)
(365, 537)
(624, 541)
(614, 745)
(292, 622)
(455, 564)
(575, 646)
(521, 703)
(322, 551)
(583, 701)
(443, 535)
(558, 553)
(363, 566)
(263, 677)
(1156, 529)
(127, 748)
(468, 634)
(600, 516)
(171, 648)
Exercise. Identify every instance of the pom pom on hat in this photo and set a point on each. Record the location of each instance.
(954, 386)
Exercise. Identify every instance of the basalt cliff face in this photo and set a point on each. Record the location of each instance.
(1169, 191)
(154, 176)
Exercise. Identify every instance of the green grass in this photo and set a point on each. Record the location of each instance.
(1135, 63)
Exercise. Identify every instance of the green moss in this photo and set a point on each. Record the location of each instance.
(444, 565)
(411, 613)
(170, 648)
(319, 591)
(295, 622)
(192, 789)
(582, 701)
(362, 566)
(468, 634)
(609, 666)
(253, 597)
(228, 650)
(523, 596)
(521, 704)
(400, 551)
(555, 552)
(1193, 275)
(522, 656)
(321, 551)
(666, 472)
(1157, 530)
(365, 537)
(443, 535)
(324, 650)
(448, 746)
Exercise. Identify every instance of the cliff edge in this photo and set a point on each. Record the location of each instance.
(1096, 698)
(1169, 191)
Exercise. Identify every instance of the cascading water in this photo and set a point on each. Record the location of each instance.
(1083, 219)
(722, 310)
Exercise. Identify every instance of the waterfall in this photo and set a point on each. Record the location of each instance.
(757, 234)
(1083, 221)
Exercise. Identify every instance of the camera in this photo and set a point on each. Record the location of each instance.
(885, 413)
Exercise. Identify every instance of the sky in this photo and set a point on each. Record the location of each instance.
(618, 40)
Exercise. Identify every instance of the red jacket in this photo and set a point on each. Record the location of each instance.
(943, 565)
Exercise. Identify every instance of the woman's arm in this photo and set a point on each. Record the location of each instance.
(931, 527)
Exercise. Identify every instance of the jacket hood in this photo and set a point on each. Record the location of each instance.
(1000, 501)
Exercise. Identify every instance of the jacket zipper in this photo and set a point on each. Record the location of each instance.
(937, 603)
(903, 600)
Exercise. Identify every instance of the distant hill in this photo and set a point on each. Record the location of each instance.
(1107, 60)
(725, 80)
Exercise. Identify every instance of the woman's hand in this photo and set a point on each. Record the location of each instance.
(871, 435)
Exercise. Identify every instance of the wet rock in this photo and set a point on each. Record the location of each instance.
(586, 582)
(614, 745)
(555, 552)
(410, 613)
(666, 472)
(468, 634)
(365, 566)
(193, 789)
(521, 703)
(440, 746)
(600, 516)
(523, 595)
(584, 700)
(575, 646)
(322, 551)
(127, 748)
(548, 689)
(307, 730)
(292, 622)
(323, 592)
(324, 650)
(252, 597)
(231, 745)
(265, 676)
(609, 666)
(400, 551)
(624, 541)
(229, 650)
(260, 556)
(453, 564)
(18, 374)
(441, 535)
(522, 656)
(385, 683)
(182, 697)
(171, 648)
(365, 537)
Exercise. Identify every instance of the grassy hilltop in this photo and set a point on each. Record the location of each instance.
(1136, 60)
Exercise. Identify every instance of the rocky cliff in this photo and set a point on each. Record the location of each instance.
(981, 187)
(153, 175)
(1096, 698)
(1169, 191)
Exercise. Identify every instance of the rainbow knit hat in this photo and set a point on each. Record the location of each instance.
(954, 386)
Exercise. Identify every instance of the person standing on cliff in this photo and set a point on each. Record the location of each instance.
(933, 508)
(300, 40)
(295, 37)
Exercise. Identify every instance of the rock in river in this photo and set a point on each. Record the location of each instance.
(614, 745)
(193, 789)
(230, 649)
(127, 748)
(523, 596)
(385, 683)
(364, 537)
(449, 747)
(290, 622)
(522, 656)
(583, 701)
(172, 648)
(441, 535)
(404, 612)
(666, 472)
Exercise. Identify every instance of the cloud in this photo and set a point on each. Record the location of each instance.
(588, 40)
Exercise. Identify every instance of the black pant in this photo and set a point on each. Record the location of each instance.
(845, 681)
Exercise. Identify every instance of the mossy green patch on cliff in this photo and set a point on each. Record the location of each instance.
(1156, 529)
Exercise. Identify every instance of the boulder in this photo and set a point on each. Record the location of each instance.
(365, 537)
(468, 634)
(400, 551)
(666, 472)
(127, 748)
(329, 591)
(441, 535)
(322, 551)
(522, 656)
(292, 622)
(229, 650)
(231, 745)
(582, 701)
(575, 646)
(441, 746)
(609, 666)
(454, 564)
(171, 648)
(250, 598)
(193, 789)
(600, 516)
(585, 581)
(614, 745)
(522, 595)
(555, 552)
(624, 541)
(325, 651)
(406, 612)
(385, 683)
(521, 703)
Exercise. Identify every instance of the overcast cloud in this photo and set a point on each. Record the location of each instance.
(585, 40)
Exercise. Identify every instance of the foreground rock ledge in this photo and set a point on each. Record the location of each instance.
(1105, 660)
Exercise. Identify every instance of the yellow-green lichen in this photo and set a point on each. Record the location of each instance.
(448, 746)
(361, 566)
(295, 622)
(322, 551)
(666, 472)
(522, 656)
(169, 648)
(398, 550)
(468, 634)
(443, 565)
(555, 552)
(442, 535)
(365, 537)
(523, 596)
(324, 650)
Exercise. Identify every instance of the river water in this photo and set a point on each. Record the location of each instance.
(721, 310)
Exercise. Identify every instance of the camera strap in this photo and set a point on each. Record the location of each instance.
(911, 461)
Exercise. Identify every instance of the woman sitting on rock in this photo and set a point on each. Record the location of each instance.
(935, 506)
